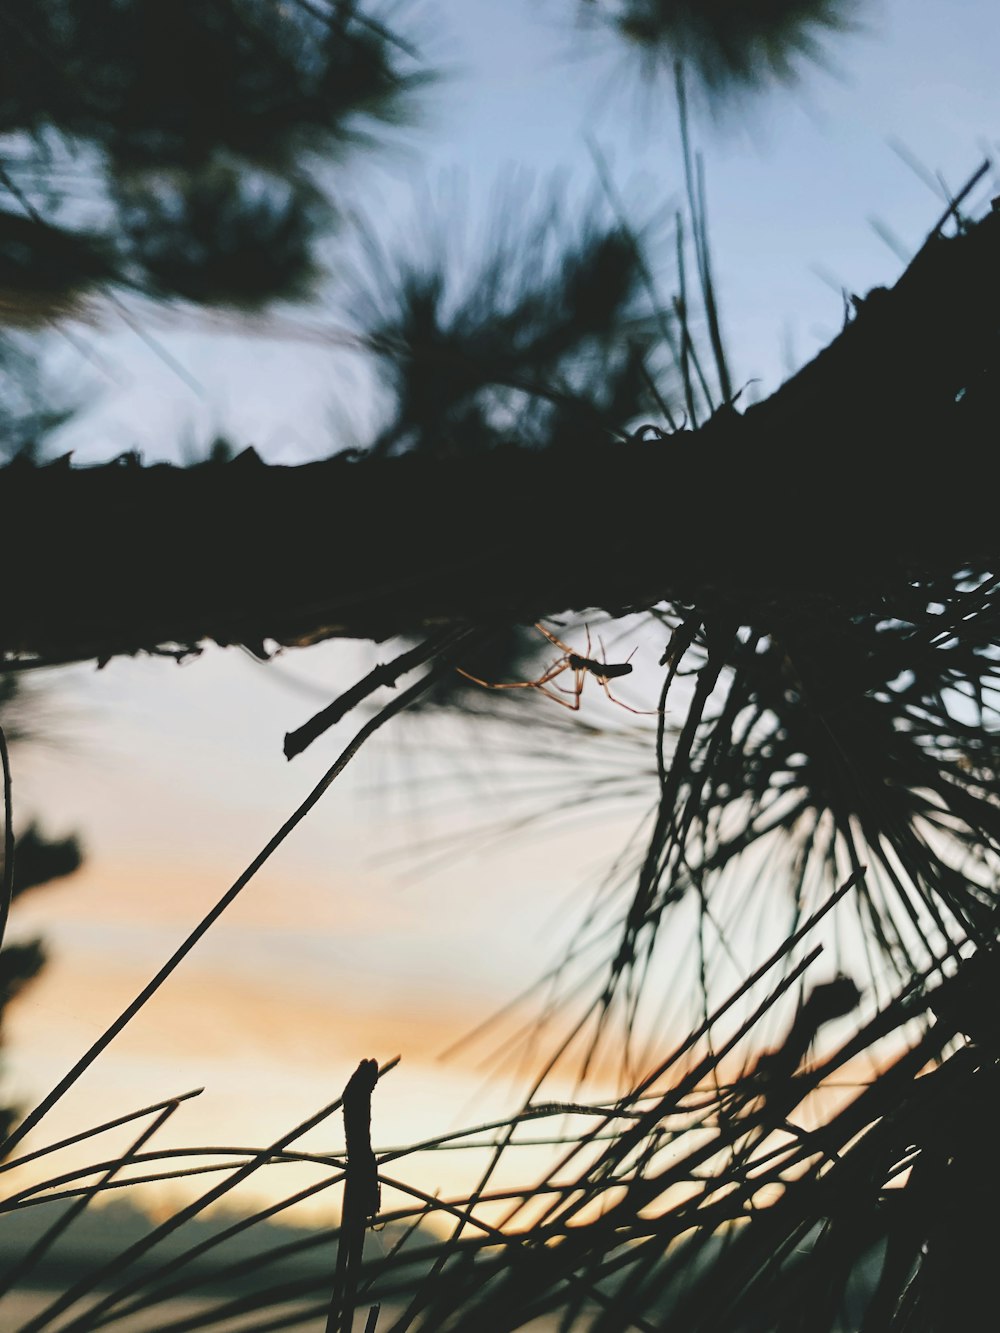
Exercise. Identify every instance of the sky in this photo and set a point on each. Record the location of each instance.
(357, 940)
(795, 178)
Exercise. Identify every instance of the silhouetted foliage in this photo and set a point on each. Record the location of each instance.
(223, 236)
(37, 861)
(161, 83)
(727, 46)
(45, 270)
(200, 125)
(544, 345)
(834, 742)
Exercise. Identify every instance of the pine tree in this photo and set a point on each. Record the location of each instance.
(840, 724)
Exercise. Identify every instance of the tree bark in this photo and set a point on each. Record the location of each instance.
(877, 464)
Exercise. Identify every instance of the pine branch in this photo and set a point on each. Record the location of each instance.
(828, 492)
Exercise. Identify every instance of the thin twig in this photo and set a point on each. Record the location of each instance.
(19, 1270)
(10, 1163)
(386, 673)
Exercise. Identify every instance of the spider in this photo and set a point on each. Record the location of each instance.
(580, 665)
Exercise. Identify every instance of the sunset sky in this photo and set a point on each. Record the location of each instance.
(349, 945)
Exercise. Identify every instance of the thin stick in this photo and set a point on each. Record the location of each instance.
(361, 1195)
(611, 194)
(20, 1270)
(13, 1162)
(209, 1274)
(952, 209)
(384, 674)
(36, 1193)
(694, 179)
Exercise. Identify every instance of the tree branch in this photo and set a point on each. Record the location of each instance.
(875, 464)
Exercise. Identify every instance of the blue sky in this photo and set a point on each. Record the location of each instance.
(795, 177)
(175, 776)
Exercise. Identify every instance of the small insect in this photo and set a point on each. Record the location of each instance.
(581, 666)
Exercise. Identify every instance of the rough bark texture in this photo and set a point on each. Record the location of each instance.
(875, 464)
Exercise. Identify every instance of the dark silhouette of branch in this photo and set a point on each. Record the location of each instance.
(361, 1194)
(815, 497)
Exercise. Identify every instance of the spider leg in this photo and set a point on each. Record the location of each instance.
(555, 670)
(573, 703)
(579, 672)
(639, 712)
(494, 685)
(558, 643)
(579, 679)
